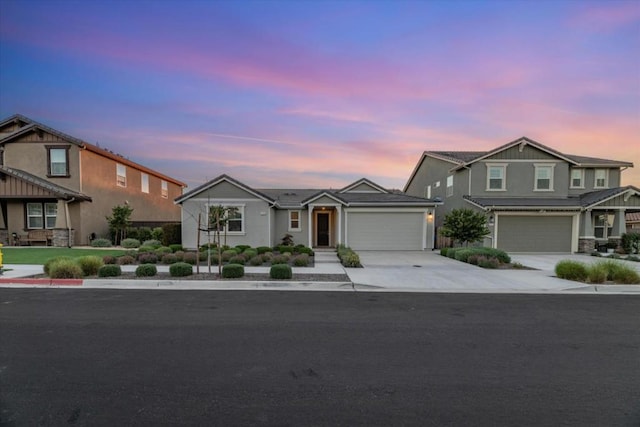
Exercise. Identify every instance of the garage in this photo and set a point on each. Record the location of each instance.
(391, 230)
(539, 233)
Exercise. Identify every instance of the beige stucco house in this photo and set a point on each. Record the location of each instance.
(65, 186)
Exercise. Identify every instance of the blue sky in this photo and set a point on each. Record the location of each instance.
(321, 93)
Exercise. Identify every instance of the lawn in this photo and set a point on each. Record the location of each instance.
(41, 255)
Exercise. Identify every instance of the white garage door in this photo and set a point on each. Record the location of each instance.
(385, 230)
(535, 233)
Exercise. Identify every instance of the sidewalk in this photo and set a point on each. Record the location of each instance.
(383, 272)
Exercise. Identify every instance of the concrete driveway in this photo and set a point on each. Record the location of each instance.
(429, 271)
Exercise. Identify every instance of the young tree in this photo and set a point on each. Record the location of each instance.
(465, 226)
(119, 221)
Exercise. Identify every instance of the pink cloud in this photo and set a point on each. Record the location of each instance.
(607, 17)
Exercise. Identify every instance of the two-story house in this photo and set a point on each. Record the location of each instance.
(536, 199)
(55, 182)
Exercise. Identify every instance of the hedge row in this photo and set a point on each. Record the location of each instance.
(597, 272)
(480, 256)
(348, 257)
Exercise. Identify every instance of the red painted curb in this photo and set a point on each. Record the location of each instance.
(44, 282)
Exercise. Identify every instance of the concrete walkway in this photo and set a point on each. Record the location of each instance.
(413, 271)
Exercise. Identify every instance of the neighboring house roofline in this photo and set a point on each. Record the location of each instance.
(215, 182)
(611, 193)
(363, 181)
(424, 155)
(58, 190)
(35, 126)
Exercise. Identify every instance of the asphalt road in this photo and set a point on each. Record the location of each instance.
(113, 357)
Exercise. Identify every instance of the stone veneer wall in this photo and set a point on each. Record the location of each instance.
(586, 245)
(61, 237)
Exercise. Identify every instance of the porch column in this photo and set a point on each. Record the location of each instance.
(61, 219)
(619, 224)
(587, 230)
(310, 225)
(339, 209)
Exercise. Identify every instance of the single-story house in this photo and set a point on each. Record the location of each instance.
(362, 215)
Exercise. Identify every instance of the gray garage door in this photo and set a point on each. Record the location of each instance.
(535, 233)
(385, 231)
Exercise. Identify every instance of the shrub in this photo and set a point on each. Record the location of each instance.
(130, 243)
(147, 258)
(228, 254)
(267, 256)
(154, 243)
(180, 269)
(286, 249)
(171, 234)
(571, 270)
(47, 265)
(473, 259)
(146, 270)
(212, 246)
(190, 258)
(125, 260)
(238, 259)
(90, 264)
(232, 271)
(65, 269)
(615, 256)
(351, 260)
(169, 259)
(108, 259)
(625, 275)
(263, 249)
(179, 255)
(301, 260)
(443, 251)
(101, 243)
(305, 250)
(146, 249)
(451, 253)
(203, 256)
(256, 260)
(109, 270)
(280, 272)
(596, 254)
(279, 259)
(249, 253)
(157, 234)
(488, 262)
(633, 258)
(631, 243)
(597, 272)
(464, 254)
(242, 248)
(176, 247)
(163, 250)
(142, 233)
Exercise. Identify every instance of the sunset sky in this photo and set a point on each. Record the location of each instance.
(321, 93)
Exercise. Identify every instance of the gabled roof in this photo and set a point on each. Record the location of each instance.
(462, 159)
(299, 198)
(33, 126)
(584, 201)
(57, 190)
(365, 181)
(218, 180)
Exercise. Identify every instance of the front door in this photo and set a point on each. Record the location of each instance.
(322, 221)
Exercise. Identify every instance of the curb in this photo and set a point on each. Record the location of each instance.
(42, 282)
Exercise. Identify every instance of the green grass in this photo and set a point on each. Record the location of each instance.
(39, 256)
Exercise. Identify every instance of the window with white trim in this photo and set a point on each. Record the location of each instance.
(164, 189)
(603, 225)
(233, 222)
(294, 220)
(144, 182)
(41, 215)
(496, 177)
(601, 178)
(543, 178)
(577, 178)
(450, 185)
(427, 192)
(121, 175)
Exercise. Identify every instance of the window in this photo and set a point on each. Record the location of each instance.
(41, 215)
(437, 184)
(58, 160)
(577, 178)
(164, 189)
(601, 178)
(496, 177)
(603, 226)
(144, 184)
(121, 175)
(234, 219)
(544, 178)
(450, 185)
(427, 192)
(294, 220)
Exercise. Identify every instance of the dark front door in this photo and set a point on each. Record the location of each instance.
(323, 229)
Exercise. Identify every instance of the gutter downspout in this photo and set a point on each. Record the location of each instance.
(67, 220)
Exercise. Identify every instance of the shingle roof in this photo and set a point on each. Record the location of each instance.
(632, 216)
(56, 189)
